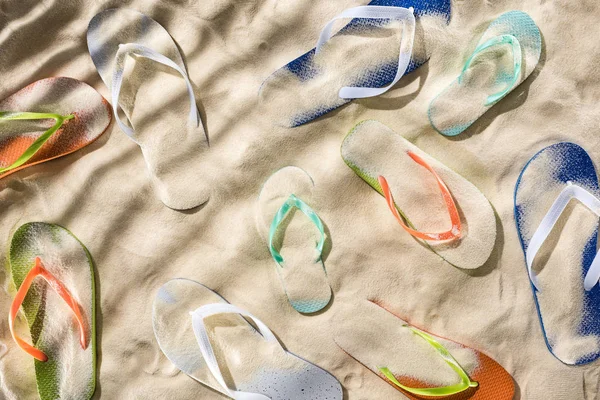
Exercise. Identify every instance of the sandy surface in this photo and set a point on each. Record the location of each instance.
(103, 194)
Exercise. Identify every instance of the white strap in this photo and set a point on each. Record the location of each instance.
(406, 15)
(143, 51)
(203, 339)
(570, 192)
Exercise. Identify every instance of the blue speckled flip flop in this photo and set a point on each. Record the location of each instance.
(202, 334)
(364, 54)
(559, 239)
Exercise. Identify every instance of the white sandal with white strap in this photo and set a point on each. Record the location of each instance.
(136, 57)
(201, 345)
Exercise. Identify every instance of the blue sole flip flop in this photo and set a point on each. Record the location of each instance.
(559, 240)
(365, 58)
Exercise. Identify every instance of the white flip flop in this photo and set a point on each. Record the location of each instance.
(141, 65)
(209, 340)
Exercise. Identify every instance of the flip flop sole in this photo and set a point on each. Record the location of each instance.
(62, 96)
(569, 315)
(372, 149)
(70, 372)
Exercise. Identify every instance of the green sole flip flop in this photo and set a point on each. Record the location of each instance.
(459, 225)
(59, 309)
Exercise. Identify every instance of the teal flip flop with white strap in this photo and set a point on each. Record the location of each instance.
(507, 53)
(297, 253)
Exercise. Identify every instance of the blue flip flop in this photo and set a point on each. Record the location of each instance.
(565, 273)
(362, 60)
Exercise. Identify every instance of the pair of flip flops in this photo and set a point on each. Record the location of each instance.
(135, 56)
(382, 43)
(559, 240)
(203, 335)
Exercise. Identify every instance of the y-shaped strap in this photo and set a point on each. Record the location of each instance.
(146, 52)
(571, 191)
(294, 201)
(39, 142)
(517, 63)
(406, 15)
(453, 233)
(201, 333)
(465, 381)
(61, 290)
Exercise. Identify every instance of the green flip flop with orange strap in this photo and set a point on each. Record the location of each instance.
(48, 119)
(52, 277)
(432, 203)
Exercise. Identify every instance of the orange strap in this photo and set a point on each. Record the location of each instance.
(39, 270)
(453, 233)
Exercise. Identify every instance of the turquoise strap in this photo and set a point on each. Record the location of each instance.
(517, 63)
(294, 201)
(39, 142)
(465, 381)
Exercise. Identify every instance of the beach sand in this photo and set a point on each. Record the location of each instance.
(103, 193)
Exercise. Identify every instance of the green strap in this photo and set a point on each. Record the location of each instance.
(517, 63)
(465, 381)
(39, 142)
(294, 201)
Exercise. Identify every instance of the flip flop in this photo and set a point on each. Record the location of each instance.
(559, 240)
(141, 65)
(49, 119)
(287, 223)
(364, 59)
(506, 55)
(415, 362)
(204, 335)
(59, 309)
(411, 182)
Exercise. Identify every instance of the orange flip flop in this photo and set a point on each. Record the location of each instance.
(48, 119)
(418, 364)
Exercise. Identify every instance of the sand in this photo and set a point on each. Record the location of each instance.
(104, 196)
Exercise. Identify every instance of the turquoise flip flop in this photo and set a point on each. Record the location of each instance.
(506, 55)
(289, 226)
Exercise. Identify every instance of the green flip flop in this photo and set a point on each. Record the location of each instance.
(64, 347)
